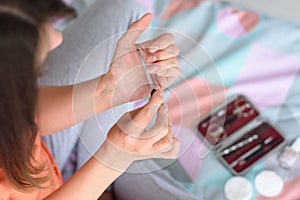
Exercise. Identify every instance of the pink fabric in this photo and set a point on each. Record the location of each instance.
(192, 99)
(177, 6)
(273, 70)
(235, 23)
(190, 147)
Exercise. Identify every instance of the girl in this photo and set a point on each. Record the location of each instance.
(27, 170)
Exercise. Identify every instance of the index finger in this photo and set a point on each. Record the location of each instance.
(161, 42)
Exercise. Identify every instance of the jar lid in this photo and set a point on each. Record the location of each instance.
(268, 183)
(238, 188)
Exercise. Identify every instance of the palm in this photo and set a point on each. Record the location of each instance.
(131, 79)
(126, 70)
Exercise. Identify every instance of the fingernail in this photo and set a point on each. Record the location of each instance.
(152, 59)
(153, 49)
(170, 123)
(152, 69)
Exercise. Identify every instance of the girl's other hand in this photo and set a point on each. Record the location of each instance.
(128, 141)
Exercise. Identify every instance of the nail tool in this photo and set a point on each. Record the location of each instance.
(149, 79)
(239, 145)
(253, 152)
(246, 155)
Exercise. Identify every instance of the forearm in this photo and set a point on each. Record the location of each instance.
(120, 149)
(60, 107)
(88, 183)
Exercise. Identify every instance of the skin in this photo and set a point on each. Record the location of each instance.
(127, 141)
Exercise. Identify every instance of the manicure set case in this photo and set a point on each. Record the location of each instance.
(238, 135)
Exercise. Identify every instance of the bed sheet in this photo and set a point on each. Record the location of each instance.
(227, 50)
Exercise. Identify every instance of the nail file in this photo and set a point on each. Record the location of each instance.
(149, 79)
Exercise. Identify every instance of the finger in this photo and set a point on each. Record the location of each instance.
(161, 42)
(172, 72)
(160, 129)
(145, 115)
(158, 136)
(164, 143)
(162, 115)
(170, 52)
(172, 153)
(161, 67)
(163, 82)
(172, 62)
(164, 70)
(133, 123)
(155, 81)
(136, 29)
(165, 78)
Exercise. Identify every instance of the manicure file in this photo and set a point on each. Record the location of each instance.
(149, 79)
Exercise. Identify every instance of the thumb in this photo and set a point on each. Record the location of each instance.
(137, 28)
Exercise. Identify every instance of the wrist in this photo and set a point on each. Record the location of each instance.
(113, 157)
(115, 88)
(104, 92)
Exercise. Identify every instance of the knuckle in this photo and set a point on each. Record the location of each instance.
(160, 55)
(169, 36)
(172, 50)
(176, 50)
(175, 61)
(164, 130)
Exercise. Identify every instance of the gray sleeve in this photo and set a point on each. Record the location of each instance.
(98, 27)
(142, 182)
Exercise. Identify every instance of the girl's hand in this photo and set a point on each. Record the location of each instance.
(126, 72)
(128, 141)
